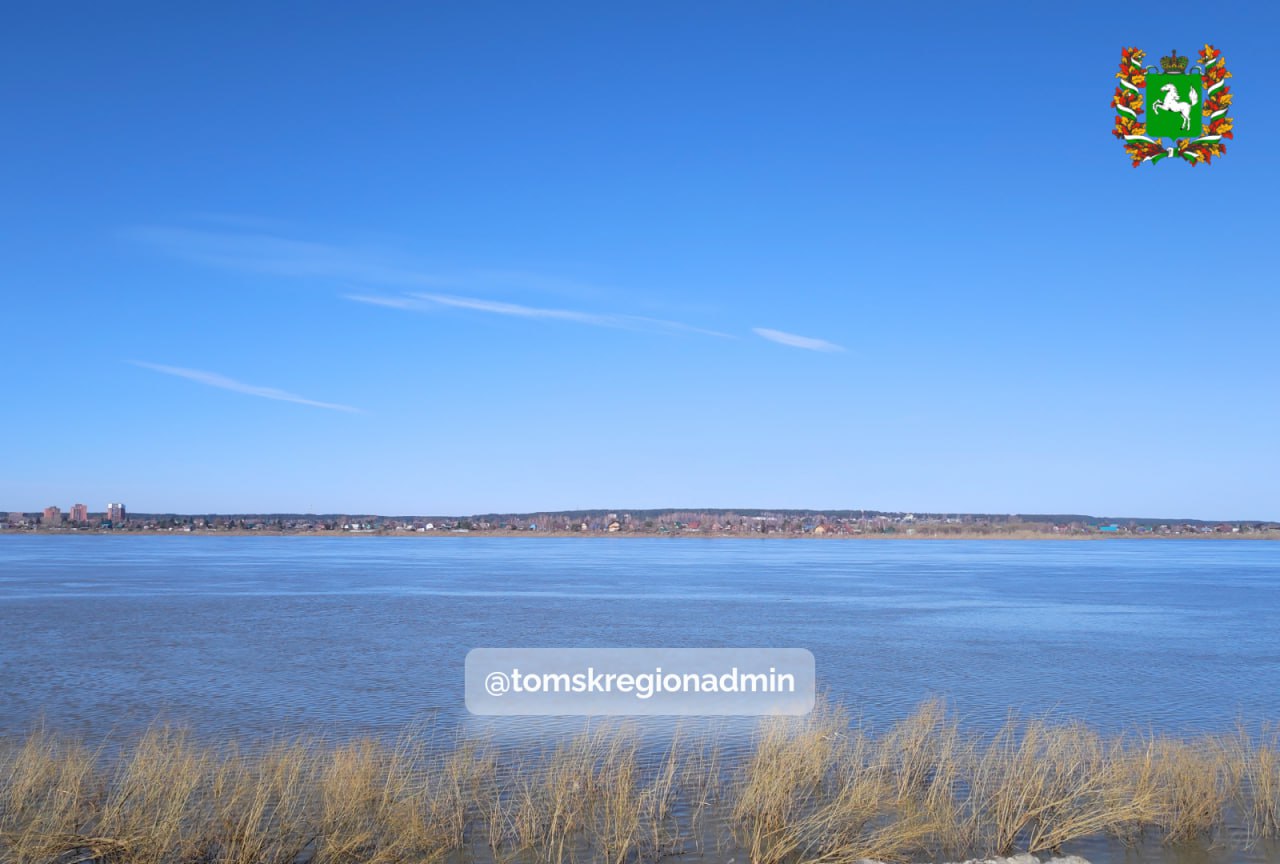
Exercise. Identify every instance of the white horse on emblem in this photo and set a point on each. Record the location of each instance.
(1172, 103)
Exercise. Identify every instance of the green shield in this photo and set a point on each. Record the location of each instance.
(1175, 106)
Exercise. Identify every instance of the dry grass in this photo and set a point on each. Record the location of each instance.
(592, 797)
(48, 789)
(1253, 780)
(259, 809)
(818, 790)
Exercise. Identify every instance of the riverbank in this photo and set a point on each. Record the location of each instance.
(622, 535)
(817, 789)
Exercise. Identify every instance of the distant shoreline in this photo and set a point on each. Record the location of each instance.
(654, 535)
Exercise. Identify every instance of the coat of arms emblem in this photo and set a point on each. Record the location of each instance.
(1188, 107)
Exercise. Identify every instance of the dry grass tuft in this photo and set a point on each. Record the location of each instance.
(1252, 768)
(259, 808)
(48, 789)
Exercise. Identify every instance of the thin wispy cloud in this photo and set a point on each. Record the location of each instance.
(426, 302)
(793, 341)
(269, 253)
(518, 310)
(213, 379)
(260, 252)
(254, 247)
(389, 302)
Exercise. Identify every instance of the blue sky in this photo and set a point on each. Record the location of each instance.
(466, 257)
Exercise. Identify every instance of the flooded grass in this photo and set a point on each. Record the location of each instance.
(817, 789)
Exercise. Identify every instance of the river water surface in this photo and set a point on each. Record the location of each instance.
(257, 637)
(261, 635)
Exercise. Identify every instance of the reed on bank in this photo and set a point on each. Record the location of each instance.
(818, 789)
